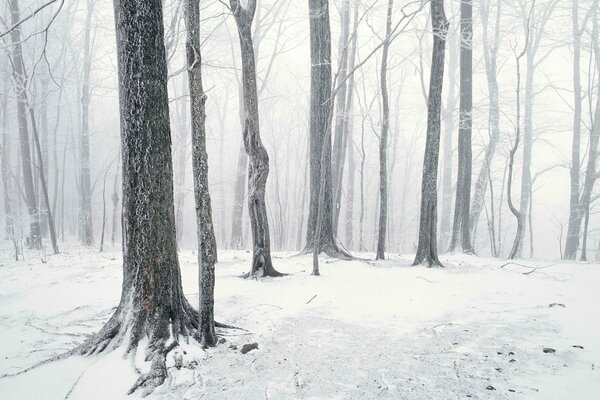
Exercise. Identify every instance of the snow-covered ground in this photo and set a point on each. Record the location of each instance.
(362, 330)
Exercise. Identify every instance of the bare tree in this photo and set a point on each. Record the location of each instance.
(427, 246)
(320, 133)
(207, 245)
(152, 304)
(86, 232)
(461, 233)
(385, 123)
(258, 168)
(20, 88)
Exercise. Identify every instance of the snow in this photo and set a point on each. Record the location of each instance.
(363, 329)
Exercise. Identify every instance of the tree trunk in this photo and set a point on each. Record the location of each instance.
(34, 239)
(490, 57)
(461, 232)
(258, 168)
(385, 104)
(320, 132)
(427, 247)
(207, 245)
(5, 164)
(86, 231)
(340, 133)
(572, 242)
(152, 304)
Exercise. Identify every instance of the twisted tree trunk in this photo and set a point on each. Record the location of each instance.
(258, 168)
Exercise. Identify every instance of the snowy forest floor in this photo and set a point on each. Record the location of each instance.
(374, 330)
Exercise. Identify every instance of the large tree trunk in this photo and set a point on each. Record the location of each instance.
(320, 132)
(207, 245)
(490, 52)
(152, 304)
(427, 247)
(86, 232)
(572, 242)
(34, 239)
(341, 118)
(258, 168)
(461, 232)
(385, 124)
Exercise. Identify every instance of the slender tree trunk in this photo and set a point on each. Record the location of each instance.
(574, 208)
(258, 168)
(207, 244)
(86, 230)
(491, 70)
(385, 123)
(427, 247)
(152, 305)
(461, 232)
(115, 205)
(340, 133)
(20, 79)
(5, 164)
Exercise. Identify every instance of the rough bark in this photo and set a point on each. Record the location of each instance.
(427, 246)
(461, 232)
(258, 167)
(20, 87)
(320, 132)
(86, 232)
(207, 244)
(385, 123)
(152, 303)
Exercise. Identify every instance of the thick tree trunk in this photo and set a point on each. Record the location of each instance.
(34, 239)
(461, 232)
(491, 70)
(258, 168)
(207, 245)
(427, 247)
(385, 124)
(86, 232)
(152, 304)
(320, 132)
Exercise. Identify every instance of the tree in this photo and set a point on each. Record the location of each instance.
(385, 123)
(86, 232)
(461, 233)
(152, 304)
(258, 168)
(516, 212)
(207, 244)
(490, 53)
(341, 117)
(320, 132)
(20, 87)
(427, 245)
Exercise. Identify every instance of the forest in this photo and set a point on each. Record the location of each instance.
(321, 199)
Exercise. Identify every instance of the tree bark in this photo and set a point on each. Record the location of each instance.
(320, 132)
(207, 244)
(152, 302)
(461, 232)
(258, 168)
(20, 81)
(427, 246)
(385, 123)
